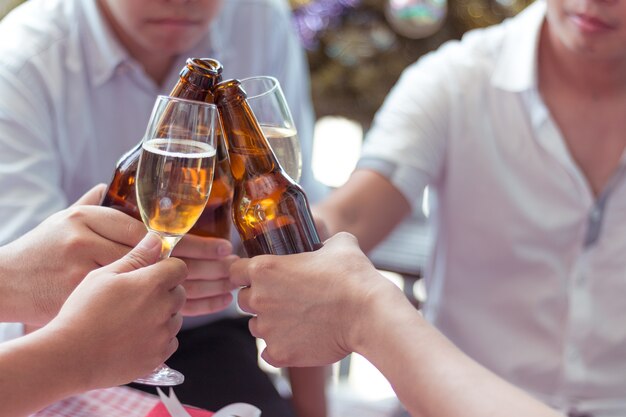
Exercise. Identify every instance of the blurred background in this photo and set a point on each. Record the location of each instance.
(357, 50)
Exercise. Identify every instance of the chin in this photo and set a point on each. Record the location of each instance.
(172, 48)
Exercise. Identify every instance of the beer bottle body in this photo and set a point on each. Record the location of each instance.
(120, 193)
(270, 212)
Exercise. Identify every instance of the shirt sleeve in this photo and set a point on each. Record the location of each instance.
(29, 163)
(407, 140)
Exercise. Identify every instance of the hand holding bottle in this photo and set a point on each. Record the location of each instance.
(208, 285)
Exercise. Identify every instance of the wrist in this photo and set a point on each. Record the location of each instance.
(14, 301)
(382, 305)
(70, 356)
(53, 374)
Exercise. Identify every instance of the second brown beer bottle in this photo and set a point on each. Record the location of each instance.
(270, 211)
(196, 81)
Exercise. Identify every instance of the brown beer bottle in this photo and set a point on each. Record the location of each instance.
(196, 80)
(270, 211)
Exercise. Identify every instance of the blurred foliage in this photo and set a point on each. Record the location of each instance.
(357, 60)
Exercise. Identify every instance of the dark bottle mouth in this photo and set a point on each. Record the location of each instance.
(202, 72)
(209, 66)
(228, 91)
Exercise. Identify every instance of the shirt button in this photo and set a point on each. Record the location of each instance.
(595, 214)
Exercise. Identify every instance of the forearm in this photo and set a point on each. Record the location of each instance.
(13, 295)
(367, 206)
(431, 376)
(35, 371)
(308, 386)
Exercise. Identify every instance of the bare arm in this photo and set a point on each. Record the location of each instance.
(367, 206)
(429, 374)
(308, 386)
(314, 308)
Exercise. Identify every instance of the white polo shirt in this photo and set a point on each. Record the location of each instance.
(528, 272)
(72, 100)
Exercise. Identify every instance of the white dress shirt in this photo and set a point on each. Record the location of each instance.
(528, 272)
(72, 100)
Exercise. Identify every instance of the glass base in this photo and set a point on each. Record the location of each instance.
(163, 376)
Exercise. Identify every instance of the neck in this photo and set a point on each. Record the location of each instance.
(588, 75)
(156, 65)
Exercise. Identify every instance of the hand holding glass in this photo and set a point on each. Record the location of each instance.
(174, 180)
(267, 101)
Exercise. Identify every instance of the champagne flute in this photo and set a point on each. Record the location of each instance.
(267, 101)
(174, 179)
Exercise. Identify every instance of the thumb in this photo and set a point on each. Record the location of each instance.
(92, 197)
(342, 239)
(144, 254)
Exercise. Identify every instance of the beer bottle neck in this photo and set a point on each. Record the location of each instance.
(250, 153)
(197, 79)
(185, 89)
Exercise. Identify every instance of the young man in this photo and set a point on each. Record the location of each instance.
(78, 80)
(518, 131)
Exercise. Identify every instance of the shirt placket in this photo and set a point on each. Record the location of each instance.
(579, 302)
(580, 295)
(579, 319)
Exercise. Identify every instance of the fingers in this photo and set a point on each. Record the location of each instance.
(267, 357)
(171, 348)
(92, 197)
(209, 269)
(239, 273)
(178, 299)
(206, 305)
(144, 254)
(175, 323)
(208, 285)
(341, 239)
(108, 223)
(197, 289)
(203, 247)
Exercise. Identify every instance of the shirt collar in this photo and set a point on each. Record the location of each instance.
(105, 53)
(516, 69)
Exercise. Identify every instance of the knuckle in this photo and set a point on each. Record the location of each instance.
(180, 268)
(76, 213)
(276, 357)
(260, 266)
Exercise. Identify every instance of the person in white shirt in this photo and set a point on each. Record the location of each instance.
(78, 79)
(75, 350)
(518, 130)
(337, 303)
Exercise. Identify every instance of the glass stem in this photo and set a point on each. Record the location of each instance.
(167, 245)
